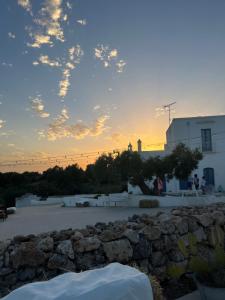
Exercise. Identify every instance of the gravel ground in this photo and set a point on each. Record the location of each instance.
(33, 220)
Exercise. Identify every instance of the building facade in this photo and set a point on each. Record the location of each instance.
(204, 133)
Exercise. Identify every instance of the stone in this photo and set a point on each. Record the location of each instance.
(181, 225)
(3, 246)
(192, 223)
(22, 239)
(10, 279)
(215, 236)
(46, 244)
(77, 236)
(87, 244)
(167, 227)
(119, 250)
(131, 235)
(61, 262)
(160, 273)
(89, 260)
(158, 259)
(176, 255)
(168, 242)
(218, 217)
(6, 259)
(5, 271)
(26, 274)
(151, 233)
(110, 235)
(200, 234)
(27, 254)
(65, 248)
(158, 245)
(142, 249)
(204, 219)
(1, 262)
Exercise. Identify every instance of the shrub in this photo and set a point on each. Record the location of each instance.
(148, 203)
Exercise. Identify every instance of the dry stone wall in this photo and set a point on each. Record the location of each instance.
(165, 246)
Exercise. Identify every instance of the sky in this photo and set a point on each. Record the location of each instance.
(80, 77)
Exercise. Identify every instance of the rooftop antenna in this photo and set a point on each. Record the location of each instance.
(167, 107)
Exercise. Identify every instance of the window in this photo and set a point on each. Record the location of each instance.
(206, 140)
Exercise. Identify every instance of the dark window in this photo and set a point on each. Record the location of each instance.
(206, 140)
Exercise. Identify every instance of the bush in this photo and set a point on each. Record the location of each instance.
(148, 203)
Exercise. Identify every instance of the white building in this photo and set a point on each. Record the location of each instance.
(205, 133)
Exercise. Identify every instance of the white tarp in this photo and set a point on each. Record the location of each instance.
(114, 282)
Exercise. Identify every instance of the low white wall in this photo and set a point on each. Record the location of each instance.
(171, 201)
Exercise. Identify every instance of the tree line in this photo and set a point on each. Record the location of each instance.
(109, 174)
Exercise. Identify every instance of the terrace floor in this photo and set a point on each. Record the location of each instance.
(34, 220)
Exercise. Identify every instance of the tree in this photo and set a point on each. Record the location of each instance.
(183, 161)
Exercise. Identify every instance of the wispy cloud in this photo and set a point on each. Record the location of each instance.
(82, 22)
(4, 64)
(60, 128)
(109, 57)
(2, 122)
(120, 66)
(25, 4)
(74, 56)
(48, 22)
(96, 107)
(38, 107)
(39, 40)
(44, 59)
(11, 35)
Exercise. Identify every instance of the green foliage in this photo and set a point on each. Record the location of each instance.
(175, 271)
(199, 265)
(148, 203)
(183, 249)
(183, 161)
(192, 243)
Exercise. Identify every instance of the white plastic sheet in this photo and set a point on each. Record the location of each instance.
(114, 282)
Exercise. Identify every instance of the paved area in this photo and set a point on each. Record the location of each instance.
(33, 220)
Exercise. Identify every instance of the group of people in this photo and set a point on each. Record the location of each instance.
(194, 183)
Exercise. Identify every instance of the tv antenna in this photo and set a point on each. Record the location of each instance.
(168, 107)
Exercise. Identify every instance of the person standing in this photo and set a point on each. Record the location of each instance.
(203, 185)
(196, 182)
(160, 185)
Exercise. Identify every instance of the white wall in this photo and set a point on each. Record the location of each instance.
(188, 131)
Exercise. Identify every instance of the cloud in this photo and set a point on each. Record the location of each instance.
(120, 66)
(96, 107)
(99, 125)
(38, 107)
(60, 128)
(11, 35)
(82, 22)
(113, 54)
(4, 64)
(64, 83)
(74, 56)
(68, 4)
(25, 4)
(44, 59)
(48, 22)
(39, 40)
(109, 57)
(2, 123)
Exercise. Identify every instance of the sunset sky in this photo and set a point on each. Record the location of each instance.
(84, 76)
